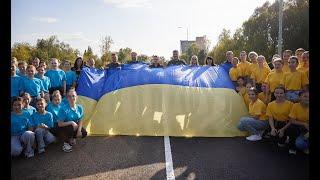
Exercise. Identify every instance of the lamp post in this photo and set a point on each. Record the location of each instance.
(280, 28)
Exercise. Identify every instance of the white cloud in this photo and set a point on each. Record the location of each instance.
(45, 19)
(128, 3)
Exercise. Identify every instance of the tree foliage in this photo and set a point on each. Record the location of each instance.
(124, 54)
(260, 32)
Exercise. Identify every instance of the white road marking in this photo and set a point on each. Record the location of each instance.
(169, 164)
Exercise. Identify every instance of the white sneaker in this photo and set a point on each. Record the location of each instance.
(292, 151)
(30, 155)
(254, 137)
(40, 151)
(66, 147)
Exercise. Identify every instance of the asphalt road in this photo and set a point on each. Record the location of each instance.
(127, 157)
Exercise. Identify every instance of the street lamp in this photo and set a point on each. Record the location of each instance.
(280, 28)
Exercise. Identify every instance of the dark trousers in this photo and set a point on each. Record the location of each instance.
(293, 131)
(67, 132)
(278, 125)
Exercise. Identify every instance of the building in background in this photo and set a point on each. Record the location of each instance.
(202, 43)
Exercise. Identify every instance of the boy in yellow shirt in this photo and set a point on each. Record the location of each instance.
(234, 72)
(299, 53)
(299, 118)
(256, 122)
(244, 66)
(285, 57)
(305, 64)
(294, 81)
(278, 113)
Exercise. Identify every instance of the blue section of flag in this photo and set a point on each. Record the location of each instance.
(94, 83)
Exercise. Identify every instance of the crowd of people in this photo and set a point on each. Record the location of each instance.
(45, 108)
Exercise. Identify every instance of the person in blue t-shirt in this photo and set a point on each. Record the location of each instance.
(57, 77)
(71, 76)
(45, 82)
(26, 104)
(32, 85)
(70, 122)
(15, 82)
(22, 137)
(22, 67)
(54, 106)
(227, 63)
(42, 121)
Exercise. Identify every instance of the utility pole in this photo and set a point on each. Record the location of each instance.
(280, 28)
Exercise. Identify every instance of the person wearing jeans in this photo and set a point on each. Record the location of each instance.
(257, 122)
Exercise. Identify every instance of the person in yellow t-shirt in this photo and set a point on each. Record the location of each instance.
(299, 53)
(273, 79)
(244, 66)
(259, 74)
(285, 57)
(245, 95)
(271, 64)
(305, 64)
(256, 122)
(294, 81)
(265, 95)
(299, 118)
(278, 113)
(233, 72)
(253, 58)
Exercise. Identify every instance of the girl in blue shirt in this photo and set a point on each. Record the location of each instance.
(22, 137)
(26, 104)
(32, 85)
(45, 82)
(43, 121)
(57, 77)
(71, 76)
(70, 121)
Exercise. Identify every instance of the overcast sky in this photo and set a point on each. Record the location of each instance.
(147, 26)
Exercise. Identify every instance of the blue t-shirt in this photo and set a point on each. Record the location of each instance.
(46, 119)
(67, 114)
(64, 101)
(56, 77)
(15, 85)
(30, 110)
(32, 86)
(20, 123)
(45, 82)
(54, 109)
(21, 75)
(71, 77)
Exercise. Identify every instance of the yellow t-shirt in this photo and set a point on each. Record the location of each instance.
(304, 70)
(299, 113)
(246, 99)
(273, 79)
(244, 68)
(285, 68)
(294, 80)
(258, 108)
(253, 67)
(260, 74)
(264, 98)
(234, 74)
(279, 111)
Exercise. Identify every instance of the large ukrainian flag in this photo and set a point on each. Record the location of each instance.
(175, 101)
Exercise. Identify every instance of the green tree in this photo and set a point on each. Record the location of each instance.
(22, 51)
(105, 46)
(124, 54)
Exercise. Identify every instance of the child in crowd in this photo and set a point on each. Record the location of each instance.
(32, 85)
(57, 77)
(304, 67)
(299, 53)
(22, 69)
(71, 76)
(45, 82)
(260, 73)
(42, 121)
(294, 81)
(55, 105)
(70, 118)
(278, 113)
(265, 95)
(15, 82)
(257, 122)
(241, 88)
(274, 78)
(299, 118)
(234, 72)
(285, 57)
(244, 66)
(26, 104)
(22, 137)
(43, 64)
(246, 95)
